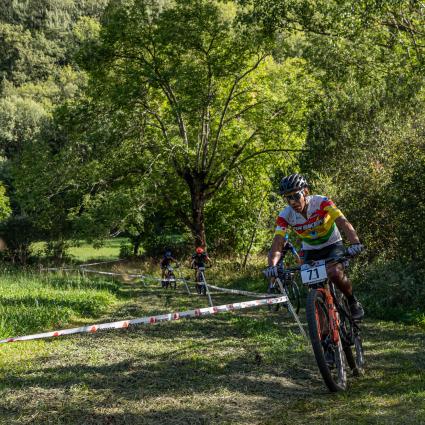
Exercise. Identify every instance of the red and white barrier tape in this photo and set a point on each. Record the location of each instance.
(240, 292)
(112, 273)
(101, 262)
(152, 319)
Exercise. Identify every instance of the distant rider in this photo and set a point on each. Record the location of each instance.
(199, 259)
(166, 261)
(288, 247)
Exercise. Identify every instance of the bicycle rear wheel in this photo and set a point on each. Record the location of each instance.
(329, 356)
(350, 333)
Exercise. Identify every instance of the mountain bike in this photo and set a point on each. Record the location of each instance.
(170, 278)
(287, 283)
(332, 330)
(201, 287)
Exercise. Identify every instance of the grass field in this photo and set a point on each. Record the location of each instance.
(248, 367)
(84, 252)
(31, 301)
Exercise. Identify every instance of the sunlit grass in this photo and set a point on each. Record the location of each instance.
(83, 251)
(33, 302)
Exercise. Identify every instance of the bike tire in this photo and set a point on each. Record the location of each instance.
(352, 340)
(319, 331)
(293, 292)
(273, 307)
(173, 283)
(359, 355)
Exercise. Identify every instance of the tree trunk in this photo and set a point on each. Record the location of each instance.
(198, 220)
(137, 240)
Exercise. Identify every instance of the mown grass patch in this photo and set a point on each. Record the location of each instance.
(82, 251)
(243, 367)
(109, 250)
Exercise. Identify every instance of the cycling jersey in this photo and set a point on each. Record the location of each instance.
(166, 261)
(316, 231)
(200, 259)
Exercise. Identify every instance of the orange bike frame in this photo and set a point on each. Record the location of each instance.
(333, 314)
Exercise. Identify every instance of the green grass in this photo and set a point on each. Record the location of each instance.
(246, 367)
(109, 251)
(84, 252)
(33, 302)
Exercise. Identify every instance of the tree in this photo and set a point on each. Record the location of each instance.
(203, 85)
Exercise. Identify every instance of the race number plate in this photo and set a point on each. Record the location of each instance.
(313, 274)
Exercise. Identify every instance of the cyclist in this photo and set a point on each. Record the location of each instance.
(318, 223)
(199, 259)
(288, 247)
(166, 260)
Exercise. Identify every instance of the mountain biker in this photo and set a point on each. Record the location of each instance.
(199, 259)
(288, 247)
(318, 223)
(166, 261)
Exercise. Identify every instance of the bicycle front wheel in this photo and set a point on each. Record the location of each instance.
(329, 355)
(273, 290)
(294, 296)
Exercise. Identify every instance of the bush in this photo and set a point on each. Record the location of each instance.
(391, 290)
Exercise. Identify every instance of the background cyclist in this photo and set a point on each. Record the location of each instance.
(199, 259)
(318, 223)
(288, 247)
(166, 261)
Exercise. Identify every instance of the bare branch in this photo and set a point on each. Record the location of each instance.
(230, 97)
(242, 111)
(253, 155)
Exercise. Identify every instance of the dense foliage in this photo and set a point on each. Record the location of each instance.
(172, 122)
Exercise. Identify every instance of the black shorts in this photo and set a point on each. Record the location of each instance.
(335, 250)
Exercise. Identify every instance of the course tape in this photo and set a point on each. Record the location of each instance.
(240, 292)
(101, 262)
(149, 320)
(112, 273)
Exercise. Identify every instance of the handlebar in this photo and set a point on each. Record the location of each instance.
(281, 270)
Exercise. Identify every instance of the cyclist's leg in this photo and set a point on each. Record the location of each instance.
(338, 276)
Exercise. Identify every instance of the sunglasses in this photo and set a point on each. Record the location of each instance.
(294, 196)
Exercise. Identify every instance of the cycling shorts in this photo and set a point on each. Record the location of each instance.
(335, 250)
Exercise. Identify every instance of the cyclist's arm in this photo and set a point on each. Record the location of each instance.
(347, 228)
(276, 249)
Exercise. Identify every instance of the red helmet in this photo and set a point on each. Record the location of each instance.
(199, 250)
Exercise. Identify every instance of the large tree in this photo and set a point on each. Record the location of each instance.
(202, 87)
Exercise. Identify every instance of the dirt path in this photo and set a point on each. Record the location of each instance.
(239, 368)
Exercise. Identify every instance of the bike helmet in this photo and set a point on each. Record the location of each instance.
(292, 183)
(168, 254)
(199, 250)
